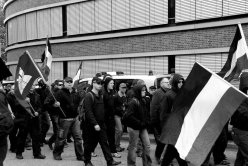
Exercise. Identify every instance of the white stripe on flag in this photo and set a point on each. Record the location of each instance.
(49, 58)
(199, 113)
(240, 51)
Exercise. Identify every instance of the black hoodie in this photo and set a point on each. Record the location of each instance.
(137, 113)
(170, 95)
(240, 117)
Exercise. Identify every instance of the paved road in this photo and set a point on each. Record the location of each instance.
(69, 158)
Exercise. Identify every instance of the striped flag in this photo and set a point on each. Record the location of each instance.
(200, 111)
(77, 76)
(237, 58)
(46, 59)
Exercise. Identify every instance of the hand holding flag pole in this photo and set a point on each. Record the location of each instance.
(42, 77)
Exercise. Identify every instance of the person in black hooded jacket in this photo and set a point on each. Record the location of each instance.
(108, 100)
(240, 125)
(176, 82)
(137, 121)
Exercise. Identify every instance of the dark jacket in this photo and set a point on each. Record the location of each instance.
(168, 100)
(137, 112)
(49, 101)
(94, 109)
(19, 111)
(155, 110)
(108, 100)
(240, 117)
(43, 92)
(35, 101)
(69, 102)
(120, 104)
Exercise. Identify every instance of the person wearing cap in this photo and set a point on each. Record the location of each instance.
(53, 111)
(94, 128)
(155, 112)
(68, 99)
(120, 104)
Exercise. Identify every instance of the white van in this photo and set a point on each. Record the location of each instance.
(150, 80)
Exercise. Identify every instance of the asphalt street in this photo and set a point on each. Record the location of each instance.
(69, 158)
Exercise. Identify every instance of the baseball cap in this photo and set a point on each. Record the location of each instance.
(68, 79)
(123, 85)
(97, 80)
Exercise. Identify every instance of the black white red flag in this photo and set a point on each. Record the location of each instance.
(202, 108)
(237, 59)
(77, 76)
(46, 58)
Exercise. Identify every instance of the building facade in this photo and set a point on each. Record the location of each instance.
(133, 36)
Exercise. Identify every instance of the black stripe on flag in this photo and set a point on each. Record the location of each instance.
(211, 130)
(193, 86)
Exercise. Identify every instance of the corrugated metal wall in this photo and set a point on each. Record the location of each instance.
(185, 63)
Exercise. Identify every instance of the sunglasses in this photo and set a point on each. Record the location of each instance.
(98, 82)
(69, 82)
(124, 87)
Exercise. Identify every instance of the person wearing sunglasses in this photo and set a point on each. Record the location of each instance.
(68, 99)
(94, 129)
(53, 111)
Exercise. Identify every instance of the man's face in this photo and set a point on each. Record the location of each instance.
(97, 85)
(60, 85)
(68, 84)
(143, 92)
(165, 83)
(151, 91)
(123, 88)
(180, 84)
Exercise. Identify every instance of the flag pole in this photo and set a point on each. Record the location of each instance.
(42, 77)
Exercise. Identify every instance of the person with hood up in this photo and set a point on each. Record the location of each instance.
(240, 125)
(176, 83)
(108, 100)
(137, 121)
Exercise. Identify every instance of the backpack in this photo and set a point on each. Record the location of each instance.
(81, 108)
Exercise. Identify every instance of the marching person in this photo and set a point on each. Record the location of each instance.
(53, 111)
(43, 91)
(69, 101)
(4, 110)
(137, 120)
(240, 126)
(155, 112)
(29, 124)
(94, 128)
(108, 101)
(120, 104)
(176, 83)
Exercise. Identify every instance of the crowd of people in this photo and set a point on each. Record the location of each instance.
(97, 114)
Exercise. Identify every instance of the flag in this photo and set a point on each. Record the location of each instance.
(26, 73)
(46, 59)
(4, 71)
(237, 57)
(77, 76)
(202, 108)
